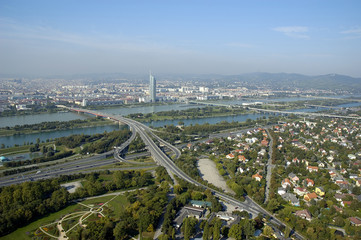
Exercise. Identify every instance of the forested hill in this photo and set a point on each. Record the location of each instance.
(291, 81)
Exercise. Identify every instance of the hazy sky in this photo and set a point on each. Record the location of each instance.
(224, 37)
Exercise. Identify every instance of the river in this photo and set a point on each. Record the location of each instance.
(43, 136)
(67, 116)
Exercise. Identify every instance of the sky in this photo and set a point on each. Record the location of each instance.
(182, 37)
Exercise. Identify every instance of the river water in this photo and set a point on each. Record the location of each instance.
(30, 119)
(67, 116)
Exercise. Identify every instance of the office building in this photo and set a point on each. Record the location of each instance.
(152, 88)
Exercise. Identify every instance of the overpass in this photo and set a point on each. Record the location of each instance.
(321, 106)
(162, 159)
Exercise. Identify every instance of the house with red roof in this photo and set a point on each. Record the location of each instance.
(308, 197)
(309, 182)
(355, 221)
(312, 169)
(286, 183)
(257, 177)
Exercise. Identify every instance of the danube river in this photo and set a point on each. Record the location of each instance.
(43, 136)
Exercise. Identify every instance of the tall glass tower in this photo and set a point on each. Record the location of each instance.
(152, 88)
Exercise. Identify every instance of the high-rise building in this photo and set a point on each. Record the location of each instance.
(152, 88)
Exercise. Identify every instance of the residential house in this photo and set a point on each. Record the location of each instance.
(251, 140)
(281, 191)
(300, 191)
(337, 209)
(358, 182)
(320, 164)
(320, 191)
(339, 197)
(355, 221)
(309, 182)
(230, 156)
(262, 152)
(308, 197)
(240, 169)
(353, 176)
(286, 183)
(305, 214)
(264, 142)
(257, 177)
(312, 169)
(345, 203)
(293, 177)
(242, 158)
(291, 198)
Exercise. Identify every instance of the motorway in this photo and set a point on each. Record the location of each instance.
(162, 159)
(84, 165)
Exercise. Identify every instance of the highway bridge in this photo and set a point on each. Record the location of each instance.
(162, 159)
(321, 106)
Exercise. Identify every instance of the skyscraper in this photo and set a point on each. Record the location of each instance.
(152, 88)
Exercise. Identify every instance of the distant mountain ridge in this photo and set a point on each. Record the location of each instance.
(286, 81)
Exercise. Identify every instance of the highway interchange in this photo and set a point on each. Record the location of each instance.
(162, 159)
(146, 134)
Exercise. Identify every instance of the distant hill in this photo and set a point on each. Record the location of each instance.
(286, 81)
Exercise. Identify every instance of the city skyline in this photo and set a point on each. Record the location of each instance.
(233, 37)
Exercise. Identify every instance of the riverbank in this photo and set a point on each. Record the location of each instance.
(54, 126)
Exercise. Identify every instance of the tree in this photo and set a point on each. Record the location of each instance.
(120, 231)
(235, 232)
(217, 229)
(206, 231)
(248, 228)
(188, 227)
(273, 205)
(268, 231)
(287, 232)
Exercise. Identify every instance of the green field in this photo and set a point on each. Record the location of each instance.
(115, 207)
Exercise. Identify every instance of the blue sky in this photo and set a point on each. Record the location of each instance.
(222, 37)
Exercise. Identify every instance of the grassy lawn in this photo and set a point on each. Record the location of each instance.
(14, 150)
(115, 207)
(20, 233)
(293, 208)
